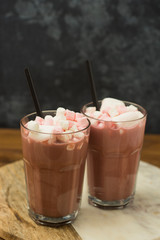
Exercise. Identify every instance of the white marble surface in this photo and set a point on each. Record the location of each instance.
(140, 220)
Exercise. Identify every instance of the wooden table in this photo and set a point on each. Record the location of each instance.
(10, 151)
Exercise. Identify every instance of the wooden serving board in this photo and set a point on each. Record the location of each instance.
(15, 224)
(140, 220)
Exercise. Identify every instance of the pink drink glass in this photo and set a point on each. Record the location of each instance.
(54, 174)
(113, 159)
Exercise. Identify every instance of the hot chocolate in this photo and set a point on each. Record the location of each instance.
(116, 139)
(54, 152)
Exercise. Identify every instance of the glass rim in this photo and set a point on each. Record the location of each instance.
(143, 110)
(54, 133)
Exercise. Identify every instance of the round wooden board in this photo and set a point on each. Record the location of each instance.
(14, 220)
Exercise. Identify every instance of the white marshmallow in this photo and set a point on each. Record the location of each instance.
(69, 134)
(64, 124)
(52, 139)
(79, 135)
(64, 137)
(113, 112)
(90, 110)
(131, 108)
(57, 119)
(46, 129)
(39, 136)
(94, 122)
(127, 119)
(44, 134)
(33, 125)
(48, 120)
(74, 128)
(60, 111)
(110, 105)
(97, 114)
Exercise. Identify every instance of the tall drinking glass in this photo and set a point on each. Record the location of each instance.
(113, 158)
(54, 171)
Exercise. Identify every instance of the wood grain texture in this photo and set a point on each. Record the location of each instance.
(14, 220)
(10, 146)
(151, 149)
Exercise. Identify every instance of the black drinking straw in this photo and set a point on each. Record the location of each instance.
(33, 92)
(92, 86)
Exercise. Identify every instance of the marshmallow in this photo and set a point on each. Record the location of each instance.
(128, 119)
(131, 108)
(69, 134)
(74, 128)
(44, 134)
(128, 116)
(111, 105)
(101, 125)
(39, 136)
(71, 124)
(70, 115)
(79, 135)
(90, 110)
(59, 115)
(59, 128)
(39, 120)
(64, 124)
(33, 125)
(60, 111)
(97, 114)
(121, 109)
(46, 129)
(64, 137)
(105, 117)
(57, 119)
(113, 112)
(52, 139)
(48, 120)
(78, 116)
(94, 122)
(82, 122)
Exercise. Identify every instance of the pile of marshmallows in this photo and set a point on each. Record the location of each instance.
(115, 111)
(66, 126)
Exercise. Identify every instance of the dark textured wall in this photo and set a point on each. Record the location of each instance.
(54, 38)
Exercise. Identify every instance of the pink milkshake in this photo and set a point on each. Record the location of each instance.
(116, 139)
(54, 153)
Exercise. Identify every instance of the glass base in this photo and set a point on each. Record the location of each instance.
(52, 222)
(109, 204)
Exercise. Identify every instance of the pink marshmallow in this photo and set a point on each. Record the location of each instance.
(82, 122)
(58, 129)
(39, 120)
(105, 117)
(71, 123)
(70, 115)
(78, 116)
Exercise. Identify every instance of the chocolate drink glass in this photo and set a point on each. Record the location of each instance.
(54, 172)
(113, 159)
